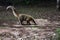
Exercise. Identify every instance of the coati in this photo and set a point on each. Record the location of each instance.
(22, 17)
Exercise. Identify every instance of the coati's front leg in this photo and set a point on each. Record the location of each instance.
(31, 20)
(34, 22)
(28, 22)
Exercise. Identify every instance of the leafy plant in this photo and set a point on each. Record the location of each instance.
(58, 33)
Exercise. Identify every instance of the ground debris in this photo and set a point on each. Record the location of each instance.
(25, 34)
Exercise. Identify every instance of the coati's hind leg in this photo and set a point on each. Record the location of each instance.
(22, 22)
(18, 21)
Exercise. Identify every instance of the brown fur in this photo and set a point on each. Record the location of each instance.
(27, 18)
(22, 17)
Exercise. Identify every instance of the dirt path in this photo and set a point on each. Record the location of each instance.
(33, 32)
(24, 33)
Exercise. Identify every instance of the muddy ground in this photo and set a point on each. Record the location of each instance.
(46, 17)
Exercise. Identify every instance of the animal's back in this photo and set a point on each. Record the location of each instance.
(25, 17)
